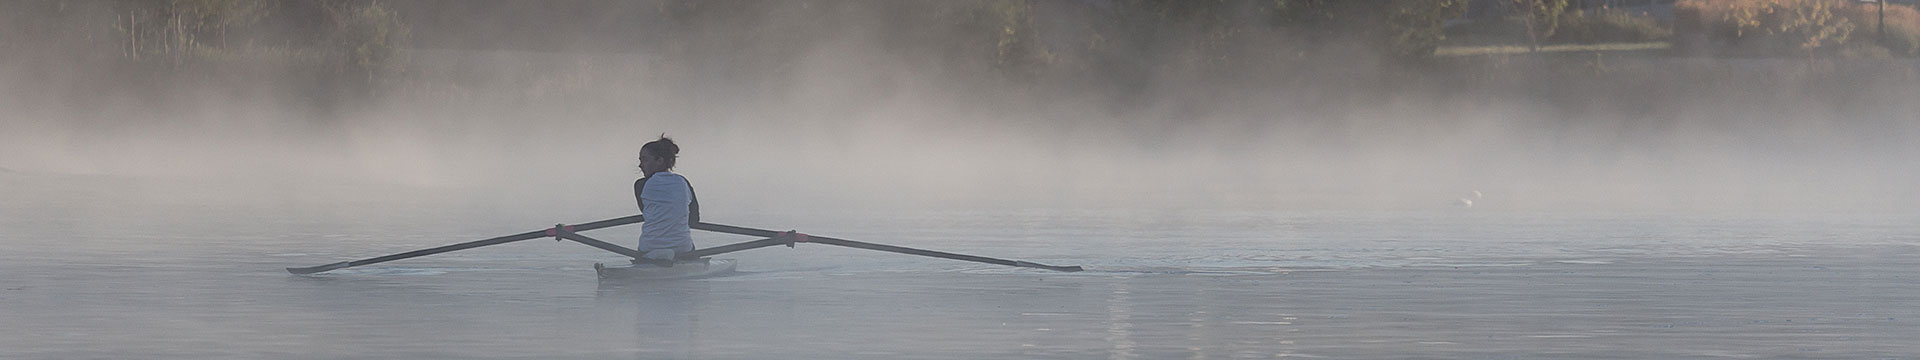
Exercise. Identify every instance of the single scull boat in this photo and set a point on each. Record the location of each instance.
(689, 269)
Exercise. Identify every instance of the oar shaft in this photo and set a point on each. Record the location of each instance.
(639, 257)
(938, 254)
(908, 251)
(466, 245)
(730, 229)
(736, 230)
(750, 245)
(583, 239)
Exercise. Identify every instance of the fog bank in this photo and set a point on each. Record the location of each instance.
(828, 105)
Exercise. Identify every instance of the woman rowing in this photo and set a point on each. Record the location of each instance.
(667, 200)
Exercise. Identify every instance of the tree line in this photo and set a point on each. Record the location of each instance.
(364, 37)
(358, 46)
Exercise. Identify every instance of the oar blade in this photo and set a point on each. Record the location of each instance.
(1074, 268)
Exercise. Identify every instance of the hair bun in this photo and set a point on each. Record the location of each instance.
(662, 147)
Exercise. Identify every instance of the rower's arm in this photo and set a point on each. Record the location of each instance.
(639, 185)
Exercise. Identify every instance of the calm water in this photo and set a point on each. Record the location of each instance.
(207, 282)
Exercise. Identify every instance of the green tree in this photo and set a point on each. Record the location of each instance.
(1416, 27)
(1016, 24)
(178, 29)
(1541, 17)
(217, 17)
(1399, 28)
(370, 37)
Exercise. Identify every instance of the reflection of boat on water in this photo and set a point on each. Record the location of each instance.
(653, 319)
(685, 269)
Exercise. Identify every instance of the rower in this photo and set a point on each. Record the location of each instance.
(667, 200)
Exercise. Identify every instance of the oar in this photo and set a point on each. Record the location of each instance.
(536, 234)
(779, 238)
(756, 244)
(568, 232)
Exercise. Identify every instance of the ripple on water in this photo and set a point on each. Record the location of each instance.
(1587, 261)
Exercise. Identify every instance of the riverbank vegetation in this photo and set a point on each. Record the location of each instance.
(330, 55)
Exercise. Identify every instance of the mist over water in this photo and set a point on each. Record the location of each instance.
(1235, 188)
(791, 103)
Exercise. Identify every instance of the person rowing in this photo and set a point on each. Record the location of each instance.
(667, 201)
(669, 210)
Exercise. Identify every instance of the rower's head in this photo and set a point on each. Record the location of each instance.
(658, 155)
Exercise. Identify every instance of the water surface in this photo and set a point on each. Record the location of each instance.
(182, 282)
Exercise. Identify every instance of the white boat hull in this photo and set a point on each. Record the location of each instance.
(682, 270)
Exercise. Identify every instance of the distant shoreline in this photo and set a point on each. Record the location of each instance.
(1447, 51)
